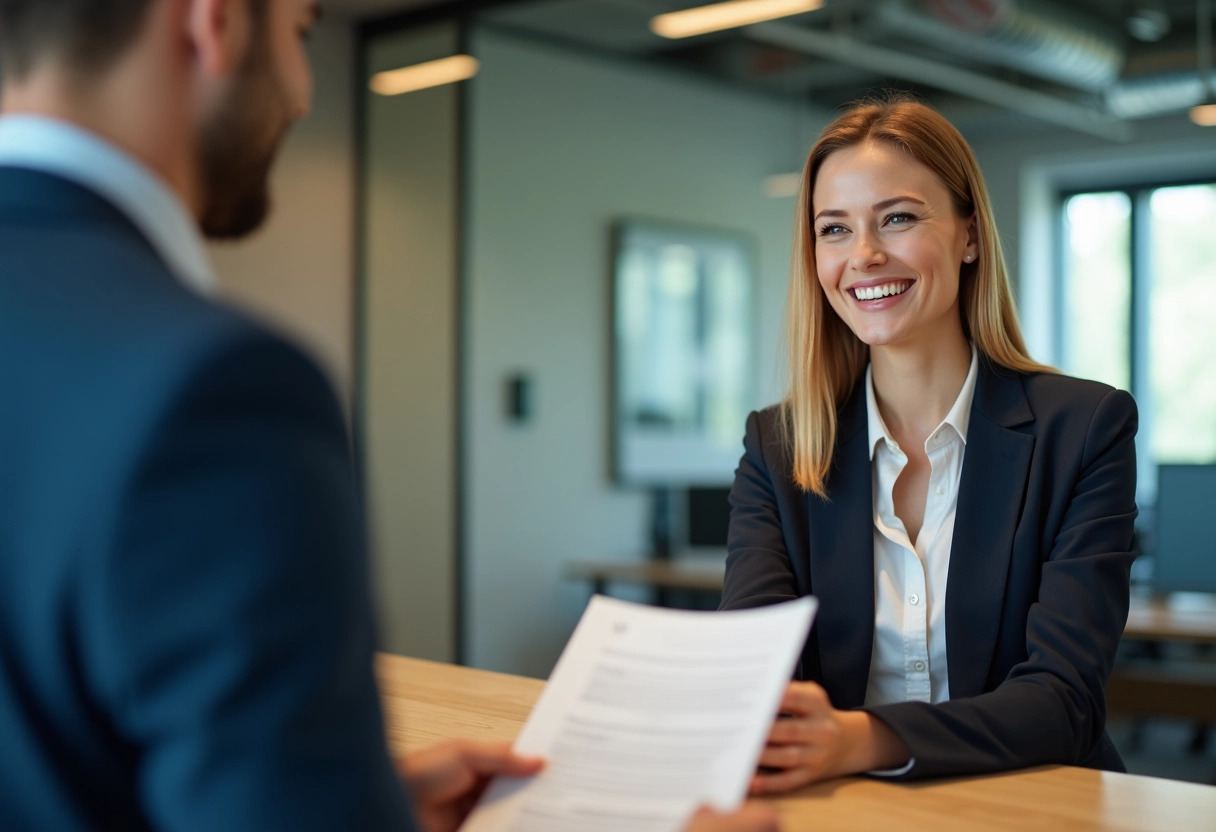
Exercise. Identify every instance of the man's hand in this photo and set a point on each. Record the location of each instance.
(751, 818)
(446, 780)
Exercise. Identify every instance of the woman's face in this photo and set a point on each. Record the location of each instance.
(889, 246)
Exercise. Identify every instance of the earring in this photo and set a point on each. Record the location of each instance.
(968, 258)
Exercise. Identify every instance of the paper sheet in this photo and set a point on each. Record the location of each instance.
(648, 714)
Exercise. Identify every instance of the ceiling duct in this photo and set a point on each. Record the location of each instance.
(1155, 95)
(1032, 36)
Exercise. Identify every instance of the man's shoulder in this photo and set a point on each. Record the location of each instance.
(93, 320)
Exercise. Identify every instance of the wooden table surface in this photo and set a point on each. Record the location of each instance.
(426, 702)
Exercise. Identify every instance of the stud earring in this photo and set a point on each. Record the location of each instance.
(968, 258)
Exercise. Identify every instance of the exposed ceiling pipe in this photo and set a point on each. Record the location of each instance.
(1154, 95)
(850, 50)
(1046, 40)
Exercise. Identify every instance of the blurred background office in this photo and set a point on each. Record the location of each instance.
(542, 250)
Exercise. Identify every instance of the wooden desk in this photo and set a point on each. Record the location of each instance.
(426, 702)
(1185, 689)
(655, 574)
(1179, 616)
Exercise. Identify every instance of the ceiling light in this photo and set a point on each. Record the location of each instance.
(420, 76)
(1204, 115)
(729, 15)
(1149, 23)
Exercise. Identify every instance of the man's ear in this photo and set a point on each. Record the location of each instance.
(219, 32)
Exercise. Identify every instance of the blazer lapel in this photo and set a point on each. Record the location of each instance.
(991, 490)
(841, 538)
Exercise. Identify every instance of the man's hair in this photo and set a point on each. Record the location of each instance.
(86, 35)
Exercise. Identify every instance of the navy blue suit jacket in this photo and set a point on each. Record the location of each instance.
(185, 626)
(1037, 591)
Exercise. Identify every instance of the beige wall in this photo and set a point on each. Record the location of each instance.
(409, 418)
(297, 272)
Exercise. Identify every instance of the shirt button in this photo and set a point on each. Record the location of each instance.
(920, 666)
(941, 489)
(914, 600)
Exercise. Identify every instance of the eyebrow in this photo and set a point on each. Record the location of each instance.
(877, 206)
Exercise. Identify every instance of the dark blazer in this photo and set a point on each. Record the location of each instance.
(185, 627)
(1037, 592)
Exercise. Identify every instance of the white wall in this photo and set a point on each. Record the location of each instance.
(297, 271)
(561, 145)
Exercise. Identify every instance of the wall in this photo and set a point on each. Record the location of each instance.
(409, 336)
(561, 145)
(297, 271)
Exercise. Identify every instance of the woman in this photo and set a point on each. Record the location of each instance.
(963, 513)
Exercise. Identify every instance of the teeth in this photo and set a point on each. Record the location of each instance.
(886, 290)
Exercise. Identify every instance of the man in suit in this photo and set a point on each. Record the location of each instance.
(185, 630)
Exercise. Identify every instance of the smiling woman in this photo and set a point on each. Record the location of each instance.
(963, 513)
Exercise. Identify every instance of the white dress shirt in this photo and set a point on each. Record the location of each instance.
(909, 656)
(56, 147)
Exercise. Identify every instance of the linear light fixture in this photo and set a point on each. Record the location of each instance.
(1204, 115)
(421, 76)
(728, 15)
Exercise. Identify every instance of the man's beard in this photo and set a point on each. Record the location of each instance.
(237, 148)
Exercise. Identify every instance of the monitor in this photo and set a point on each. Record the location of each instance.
(1185, 560)
(708, 516)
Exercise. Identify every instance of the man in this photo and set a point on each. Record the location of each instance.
(185, 631)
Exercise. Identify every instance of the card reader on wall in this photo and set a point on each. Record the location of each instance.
(519, 397)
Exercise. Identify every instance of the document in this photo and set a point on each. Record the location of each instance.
(649, 714)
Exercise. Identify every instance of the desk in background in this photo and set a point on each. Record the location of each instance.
(1183, 689)
(1178, 616)
(703, 574)
(426, 702)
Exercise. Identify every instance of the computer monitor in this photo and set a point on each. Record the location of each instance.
(1185, 560)
(708, 517)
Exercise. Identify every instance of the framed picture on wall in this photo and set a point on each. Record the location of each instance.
(683, 363)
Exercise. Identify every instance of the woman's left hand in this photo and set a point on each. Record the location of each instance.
(813, 741)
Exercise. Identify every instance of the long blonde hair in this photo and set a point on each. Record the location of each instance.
(825, 357)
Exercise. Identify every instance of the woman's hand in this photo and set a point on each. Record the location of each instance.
(446, 780)
(813, 741)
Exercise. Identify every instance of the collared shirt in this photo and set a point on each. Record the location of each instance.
(909, 656)
(61, 149)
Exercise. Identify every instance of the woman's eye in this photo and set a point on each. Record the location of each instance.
(831, 229)
(900, 218)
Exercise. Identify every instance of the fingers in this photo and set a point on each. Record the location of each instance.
(455, 768)
(751, 818)
(783, 781)
(497, 759)
(805, 699)
(820, 730)
(785, 767)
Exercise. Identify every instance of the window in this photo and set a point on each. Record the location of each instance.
(1136, 308)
